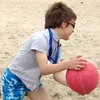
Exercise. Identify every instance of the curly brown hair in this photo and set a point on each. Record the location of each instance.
(58, 13)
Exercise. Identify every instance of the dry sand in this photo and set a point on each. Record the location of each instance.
(21, 18)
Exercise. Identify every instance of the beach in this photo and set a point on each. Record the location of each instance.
(21, 18)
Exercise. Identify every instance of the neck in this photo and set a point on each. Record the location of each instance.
(58, 32)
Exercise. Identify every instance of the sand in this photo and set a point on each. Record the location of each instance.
(21, 18)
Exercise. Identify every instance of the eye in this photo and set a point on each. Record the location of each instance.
(72, 24)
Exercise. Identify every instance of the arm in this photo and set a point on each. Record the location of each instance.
(48, 68)
(59, 77)
(75, 63)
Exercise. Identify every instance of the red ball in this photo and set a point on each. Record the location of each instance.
(83, 81)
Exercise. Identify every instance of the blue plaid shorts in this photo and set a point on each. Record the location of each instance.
(12, 88)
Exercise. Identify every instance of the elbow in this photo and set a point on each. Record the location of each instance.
(44, 72)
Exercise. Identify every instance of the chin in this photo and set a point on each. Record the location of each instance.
(66, 39)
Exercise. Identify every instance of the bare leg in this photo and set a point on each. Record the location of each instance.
(41, 94)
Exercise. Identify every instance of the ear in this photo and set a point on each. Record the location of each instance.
(63, 24)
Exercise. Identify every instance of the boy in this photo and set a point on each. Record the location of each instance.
(22, 77)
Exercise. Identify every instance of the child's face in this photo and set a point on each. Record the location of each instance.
(68, 29)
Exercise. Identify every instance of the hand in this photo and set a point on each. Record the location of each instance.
(77, 63)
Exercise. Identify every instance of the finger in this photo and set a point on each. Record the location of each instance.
(80, 66)
(77, 68)
(82, 63)
(78, 56)
(81, 59)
